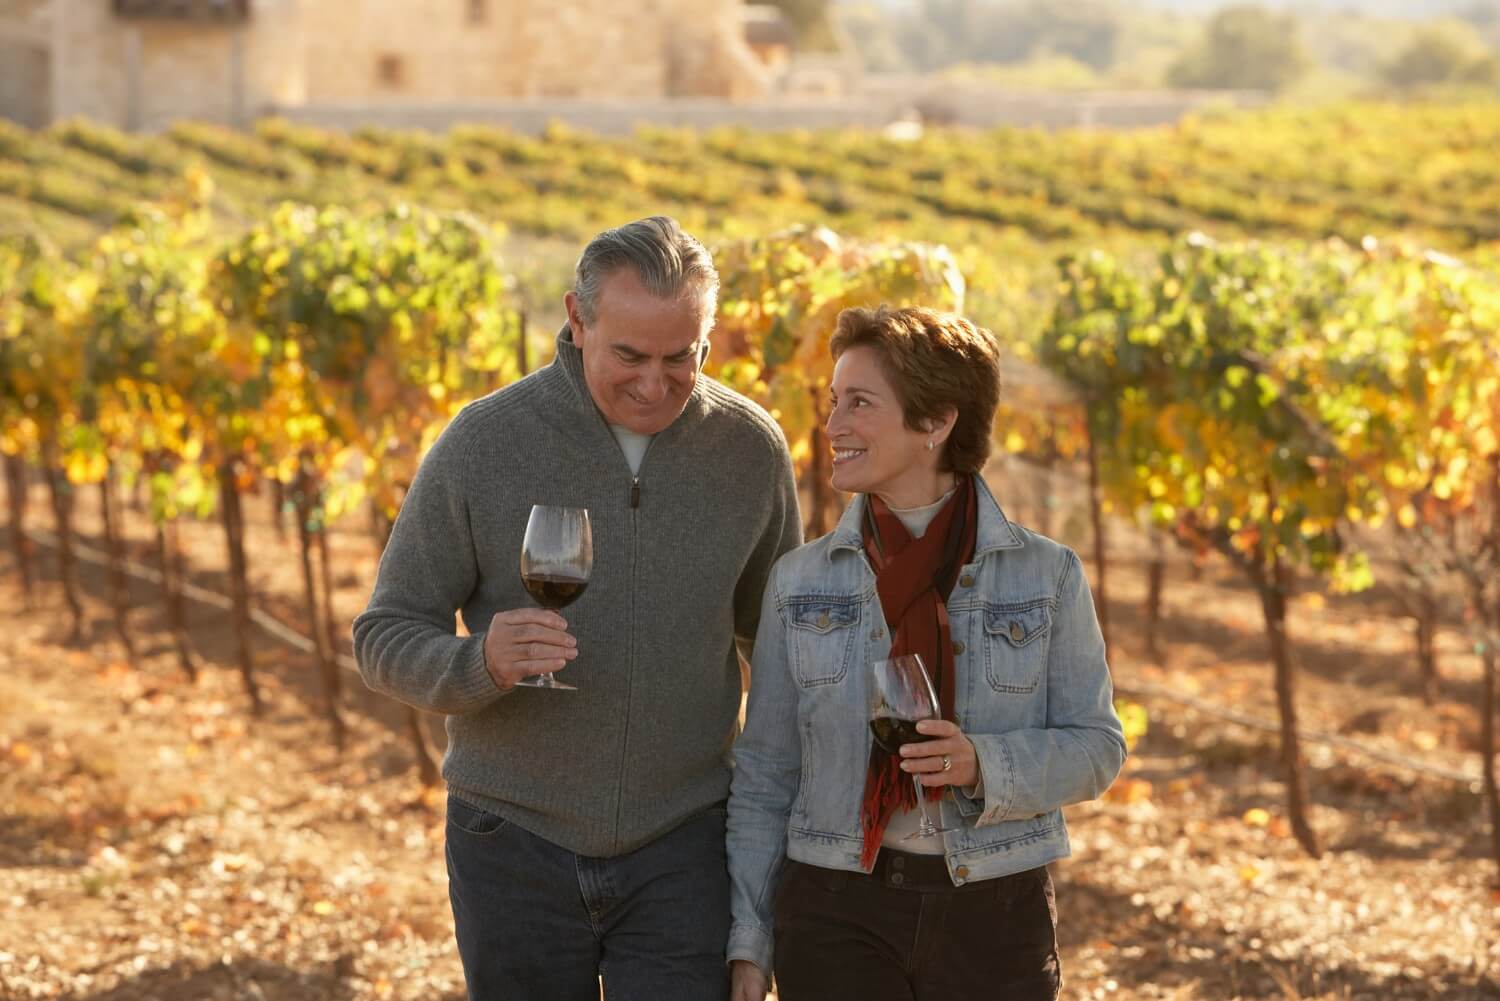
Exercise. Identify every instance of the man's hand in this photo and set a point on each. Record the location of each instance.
(747, 982)
(524, 642)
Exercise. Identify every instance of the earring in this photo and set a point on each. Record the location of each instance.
(929, 444)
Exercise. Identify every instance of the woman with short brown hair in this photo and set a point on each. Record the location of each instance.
(834, 882)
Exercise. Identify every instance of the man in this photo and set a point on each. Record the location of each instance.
(585, 831)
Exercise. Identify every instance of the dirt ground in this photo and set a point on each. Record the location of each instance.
(158, 842)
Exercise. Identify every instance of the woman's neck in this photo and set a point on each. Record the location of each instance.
(918, 492)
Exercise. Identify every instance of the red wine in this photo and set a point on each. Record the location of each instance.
(893, 734)
(554, 592)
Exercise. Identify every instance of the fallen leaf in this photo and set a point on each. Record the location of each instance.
(1127, 790)
(394, 930)
(1256, 817)
(323, 907)
(1178, 787)
(229, 863)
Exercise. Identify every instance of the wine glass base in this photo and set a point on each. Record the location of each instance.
(546, 681)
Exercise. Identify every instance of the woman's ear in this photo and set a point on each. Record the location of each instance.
(940, 427)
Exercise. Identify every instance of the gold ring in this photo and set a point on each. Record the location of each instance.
(947, 762)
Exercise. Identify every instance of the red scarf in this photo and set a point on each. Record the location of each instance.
(914, 578)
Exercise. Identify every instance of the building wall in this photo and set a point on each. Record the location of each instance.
(708, 54)
(26, 61)
(146, 74)
(25, 83)
(25, 13)
(441, 54)
(526, 49)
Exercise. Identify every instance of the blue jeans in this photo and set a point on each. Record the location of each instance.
(536, 922)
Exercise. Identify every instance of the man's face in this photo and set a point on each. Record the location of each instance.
(640, 356)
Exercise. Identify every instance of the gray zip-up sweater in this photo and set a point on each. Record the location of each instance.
(681, 555)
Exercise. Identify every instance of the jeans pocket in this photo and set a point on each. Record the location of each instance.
(471, 819)
(1029, 893)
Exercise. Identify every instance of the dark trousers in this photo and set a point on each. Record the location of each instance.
(906, 933)
(536, 922)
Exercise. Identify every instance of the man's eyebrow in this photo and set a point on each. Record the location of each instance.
(631, 352)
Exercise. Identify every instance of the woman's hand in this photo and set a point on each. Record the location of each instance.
(926, 758)
(747, 982)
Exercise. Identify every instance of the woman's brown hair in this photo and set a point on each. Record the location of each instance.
(935, 361)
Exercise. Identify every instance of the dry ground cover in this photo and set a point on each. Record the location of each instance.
(157, 842)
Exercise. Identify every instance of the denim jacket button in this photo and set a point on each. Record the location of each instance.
(823, 620)
(1017, 632)
(962, 872)
(958, 648)
(967, 580)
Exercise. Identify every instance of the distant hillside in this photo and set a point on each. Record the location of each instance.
(1415, 9)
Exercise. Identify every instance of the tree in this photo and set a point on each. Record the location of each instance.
(809, 18)
(1442, 53)
(1243, 47)
(1086, 30)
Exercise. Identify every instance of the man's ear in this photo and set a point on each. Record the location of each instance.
(575, 320)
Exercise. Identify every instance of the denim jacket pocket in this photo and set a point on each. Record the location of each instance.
(821, 637)
(1015, 649)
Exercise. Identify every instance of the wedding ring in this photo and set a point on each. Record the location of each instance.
(947, 762)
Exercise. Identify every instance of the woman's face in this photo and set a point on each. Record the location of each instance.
(873, 449)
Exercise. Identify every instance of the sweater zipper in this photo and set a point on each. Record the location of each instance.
(635, 477)
(635, 557)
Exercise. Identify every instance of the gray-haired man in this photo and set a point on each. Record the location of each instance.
(586, 829)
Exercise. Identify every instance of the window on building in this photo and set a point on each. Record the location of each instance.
(390, 71)
(183, 10)
(478, 11)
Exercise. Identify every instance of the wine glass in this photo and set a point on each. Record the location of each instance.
(901, 695)
(557, 556)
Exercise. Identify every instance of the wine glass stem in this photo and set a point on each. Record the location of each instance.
(916, 780)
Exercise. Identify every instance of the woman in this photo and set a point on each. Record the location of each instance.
(826, 887)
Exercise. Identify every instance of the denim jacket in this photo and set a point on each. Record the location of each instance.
(1033, 693)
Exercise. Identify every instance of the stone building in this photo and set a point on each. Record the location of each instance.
(141, 64)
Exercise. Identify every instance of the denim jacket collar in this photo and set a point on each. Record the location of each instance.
(994, 530)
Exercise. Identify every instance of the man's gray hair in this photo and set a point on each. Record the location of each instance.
(670, 263)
